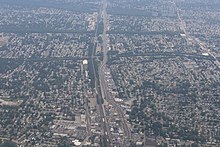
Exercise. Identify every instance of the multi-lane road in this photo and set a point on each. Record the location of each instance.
(101, 84)
(102, 77)
(105, 141)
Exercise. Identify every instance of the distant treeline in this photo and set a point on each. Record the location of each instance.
(203, 5)
(14, 29)
(129, 12)
(144, 32)
(88, 7)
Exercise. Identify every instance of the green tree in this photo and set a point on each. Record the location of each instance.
(8, 143)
